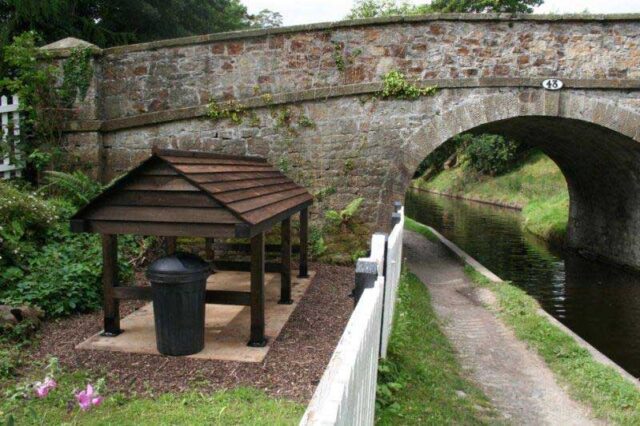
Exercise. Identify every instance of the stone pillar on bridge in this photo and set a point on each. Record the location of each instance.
(82, 138)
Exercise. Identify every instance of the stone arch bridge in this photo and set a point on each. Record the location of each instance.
(308, 104)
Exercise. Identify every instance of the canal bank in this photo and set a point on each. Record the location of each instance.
(518, 380)
(599, 302)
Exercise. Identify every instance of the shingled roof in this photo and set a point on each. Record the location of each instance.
(207, 194)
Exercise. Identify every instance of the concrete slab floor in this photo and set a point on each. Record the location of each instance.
(226, 327)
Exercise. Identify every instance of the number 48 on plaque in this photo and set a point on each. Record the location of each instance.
(552, 84)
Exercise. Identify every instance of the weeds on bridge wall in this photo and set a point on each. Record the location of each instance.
(395, 85)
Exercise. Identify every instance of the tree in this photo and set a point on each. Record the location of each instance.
(374, 8)
(484, 6)
(266, 19)
(110, 22)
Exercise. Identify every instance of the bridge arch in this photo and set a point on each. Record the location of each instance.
(594, 142)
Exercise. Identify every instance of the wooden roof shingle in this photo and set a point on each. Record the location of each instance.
(197, 190)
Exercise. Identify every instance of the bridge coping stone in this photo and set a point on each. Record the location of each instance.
(386, 20)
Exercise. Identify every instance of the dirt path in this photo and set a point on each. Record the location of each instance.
(516, 380)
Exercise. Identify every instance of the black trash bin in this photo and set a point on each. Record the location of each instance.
(179, 285)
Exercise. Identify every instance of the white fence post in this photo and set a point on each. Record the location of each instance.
(10, 121)
(346, 394)
(393, 269)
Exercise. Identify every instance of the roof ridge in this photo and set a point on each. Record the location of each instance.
(203, 154)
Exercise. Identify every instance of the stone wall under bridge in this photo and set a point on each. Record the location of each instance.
(317, 116)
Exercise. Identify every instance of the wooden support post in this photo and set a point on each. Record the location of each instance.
(304, 243)
(208, 249)
(285, 274)
(111, 305)
(171, 244)
(257, 291)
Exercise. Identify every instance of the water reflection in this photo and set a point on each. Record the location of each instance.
(601, 303)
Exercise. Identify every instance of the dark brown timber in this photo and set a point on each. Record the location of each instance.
(111, 305)
(171, 244)
(257, 291)
(304, 243)
(214, 297)
(285, 274)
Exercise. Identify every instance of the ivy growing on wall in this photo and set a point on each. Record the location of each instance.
(47, 92)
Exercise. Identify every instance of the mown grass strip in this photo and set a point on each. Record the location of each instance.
(418, 227)
(240, 406)
(611, 397)
(421, 382)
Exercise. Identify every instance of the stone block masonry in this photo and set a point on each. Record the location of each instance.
(309, 105)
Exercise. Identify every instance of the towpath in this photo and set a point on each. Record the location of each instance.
(517, 381)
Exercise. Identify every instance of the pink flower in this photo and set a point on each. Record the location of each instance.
(87, 398)
(43, 388)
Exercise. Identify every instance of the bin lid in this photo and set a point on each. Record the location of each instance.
(178, 268)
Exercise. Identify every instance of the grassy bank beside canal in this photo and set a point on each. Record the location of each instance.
(611, 397)
(534, 184)
(421, 382)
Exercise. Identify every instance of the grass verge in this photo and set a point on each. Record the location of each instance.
(421, 381)
(237, 406)
(535, 184)
(611, 396)
(418, 227)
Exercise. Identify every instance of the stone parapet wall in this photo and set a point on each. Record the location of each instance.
(167, 76)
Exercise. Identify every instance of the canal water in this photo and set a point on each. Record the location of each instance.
(600, 303)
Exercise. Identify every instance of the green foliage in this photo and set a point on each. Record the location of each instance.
(348, 166)
(232, 110)
(610, 396)
(395, 85)
(323, 193)
(77, 72)
(491, 154)
(484, 6)
(374, 8)
(9, 362)
(316, 241)
(420, 228)
(239, 406)
(43, 264)
(107, 23)
(419, 381)
(76, 186)
(344, 217)
(535, 184)
(284, 117)
(44, 103)
(306, 122)
(337, 56)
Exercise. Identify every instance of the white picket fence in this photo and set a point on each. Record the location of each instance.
(346, 394)
(10, 120)
(392, 278)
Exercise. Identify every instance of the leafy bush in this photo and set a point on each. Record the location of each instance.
(76, 187)
(491, 154)
(43, 264)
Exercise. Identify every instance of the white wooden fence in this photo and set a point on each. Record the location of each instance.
(392, 277)
(10, 120)
(346, 394)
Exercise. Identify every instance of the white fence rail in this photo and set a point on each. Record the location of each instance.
(10, 120)
(346, 394)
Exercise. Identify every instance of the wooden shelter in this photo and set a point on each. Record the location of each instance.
(197, 194)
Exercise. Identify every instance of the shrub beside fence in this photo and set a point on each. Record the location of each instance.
(346, 394)
(10, 120)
